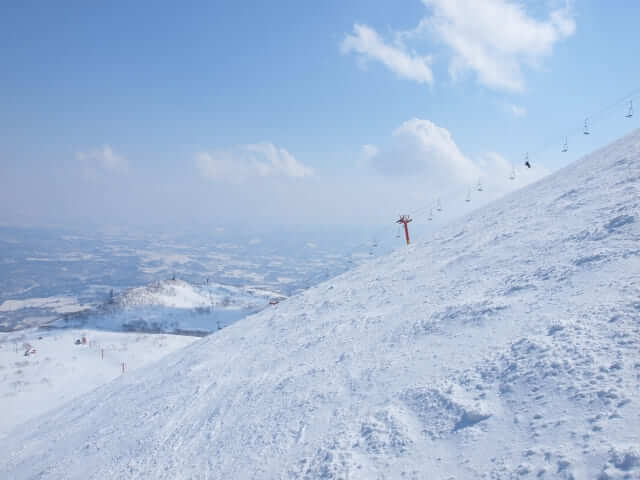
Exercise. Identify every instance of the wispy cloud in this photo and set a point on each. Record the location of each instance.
(103, 159)
(515, 110)
(494, 39)
(366, 42)
(250, 161)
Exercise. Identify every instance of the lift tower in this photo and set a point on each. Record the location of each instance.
(405, 219)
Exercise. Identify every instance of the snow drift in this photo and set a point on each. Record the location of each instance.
(505, 346)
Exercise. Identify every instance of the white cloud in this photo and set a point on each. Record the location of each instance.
(425, 154)
(515, 110)
(369, 151)
(421, 147)
(249, 161)
(103, 159)
(495, 38)
(366, 42)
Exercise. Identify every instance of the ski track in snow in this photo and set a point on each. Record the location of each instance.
(505, 346)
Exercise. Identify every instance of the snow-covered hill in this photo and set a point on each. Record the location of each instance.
(506, 346)
(174, 306)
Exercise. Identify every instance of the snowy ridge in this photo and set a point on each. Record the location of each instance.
(182, 294)
(169, 293)
(506, 346)
(174, 306)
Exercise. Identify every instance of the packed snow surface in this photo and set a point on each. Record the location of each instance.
(505, 346)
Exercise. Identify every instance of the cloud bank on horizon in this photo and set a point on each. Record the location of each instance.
(417, 162)
(102, 160)
(250, 161)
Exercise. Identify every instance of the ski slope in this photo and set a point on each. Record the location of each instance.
(505, 346)
(61, 370)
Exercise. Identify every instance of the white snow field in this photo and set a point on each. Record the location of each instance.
(60, 370)
(505, 346)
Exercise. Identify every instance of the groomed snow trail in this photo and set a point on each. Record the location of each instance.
(506, 346)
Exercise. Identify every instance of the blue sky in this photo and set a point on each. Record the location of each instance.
(322, 113)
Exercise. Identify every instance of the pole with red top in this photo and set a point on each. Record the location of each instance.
(405, 219)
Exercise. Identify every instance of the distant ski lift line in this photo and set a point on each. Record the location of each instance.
(626, 99)
(610, 108)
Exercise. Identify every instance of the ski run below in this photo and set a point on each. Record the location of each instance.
(41, 370)
(503, 346)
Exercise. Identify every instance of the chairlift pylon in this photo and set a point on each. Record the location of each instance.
(630, 112)
(468, 199)
(586, 126)
(430, 217)
(439, 206)
(565, 147)
(479, 186)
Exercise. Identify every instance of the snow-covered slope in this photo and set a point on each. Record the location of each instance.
(58, 369)
(506, 346)
(174, 306)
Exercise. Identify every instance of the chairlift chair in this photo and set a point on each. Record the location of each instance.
(565, 147)
(512, 176)
(439, 206)
(479, 187)
(430, 217)
(468, 199)
(630, 112)
(586, 126)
